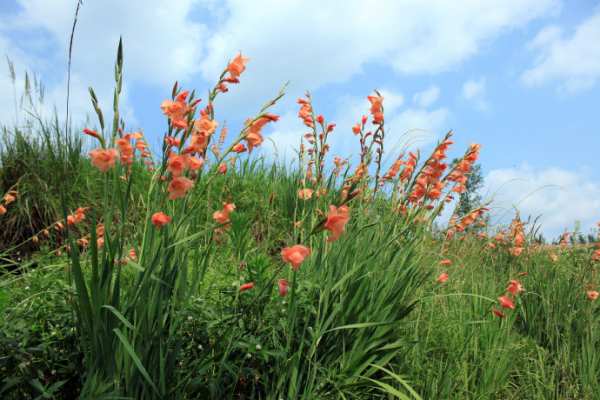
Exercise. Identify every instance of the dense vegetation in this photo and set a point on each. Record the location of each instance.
(207, 273)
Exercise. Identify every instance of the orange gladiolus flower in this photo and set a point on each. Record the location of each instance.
(336, 221)
(9, 198)
(283, 287)
(222, 216)
(515, 287)
(77, 216)
(442, 278)
(295, 255)
(239, 148)
(126, 150)
(246, 286)
(179, 186)
(132, 254)
(506, 302)
(177, 164)
(2, 210)
(177, 110)
(254, 139)
(237, 66)
(104, 159)
(160, 219)
(92, 133)
(516, 251)
(376, 108)
(592, 295)
(446, 262)
(305, 194)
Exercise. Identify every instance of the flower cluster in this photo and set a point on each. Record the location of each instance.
(506, 301)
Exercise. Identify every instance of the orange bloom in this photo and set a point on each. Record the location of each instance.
(223, 168)
(77, 216)
(295, 255)
(9, 198)
(283, 287)
(442, 278)
(177, 110)
(498, 313)
(239, 148)
(91, 133)
(104, 159)
(246, 286)
(237, 66)
(305, 112)
(592, 295)
(177, 164)
(2, 210)
(132, 254)
(506, 302)
(446, 262)
(160, 219)
(179, 186)
(516, 251)
(336, 221)
(515, 287)
(305, 194)
(222, 216)
(254, 136)
(376, 108)
(126, 150)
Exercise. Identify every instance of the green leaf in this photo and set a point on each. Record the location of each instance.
(135, 358)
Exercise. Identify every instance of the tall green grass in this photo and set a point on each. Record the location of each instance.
(364, 317)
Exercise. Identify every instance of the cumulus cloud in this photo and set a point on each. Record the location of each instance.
(572, 60)
(427, 97)
(161, 41)
(559, 196)
(473, 91)
(313, 43)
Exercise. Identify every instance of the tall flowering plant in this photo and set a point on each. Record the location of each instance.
(127, 329)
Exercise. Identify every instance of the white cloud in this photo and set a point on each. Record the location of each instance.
(473, 90)
(573, 61)
(161, 44)
(313, 43)
(427, 97)
(561, 197)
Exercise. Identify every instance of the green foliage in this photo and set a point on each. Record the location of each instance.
(39, 347)
(364, 317)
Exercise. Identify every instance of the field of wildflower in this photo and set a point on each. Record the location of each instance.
(198, 271)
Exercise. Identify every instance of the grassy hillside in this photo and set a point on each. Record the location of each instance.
(203, 272)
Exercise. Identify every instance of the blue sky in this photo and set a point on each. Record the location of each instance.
(520, 77)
